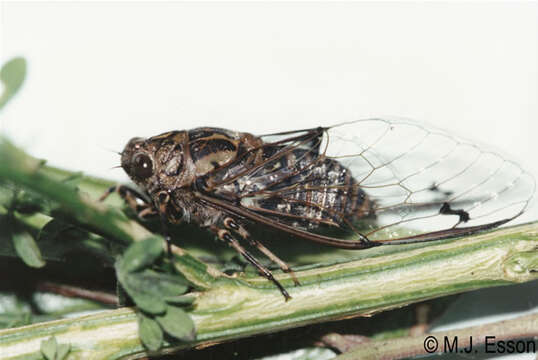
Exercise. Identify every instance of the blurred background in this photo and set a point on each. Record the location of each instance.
(101, 73)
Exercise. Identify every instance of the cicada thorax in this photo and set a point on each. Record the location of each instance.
(180, 157)
(185, 159)
(213, 148)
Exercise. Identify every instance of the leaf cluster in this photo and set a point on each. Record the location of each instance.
(159, 295)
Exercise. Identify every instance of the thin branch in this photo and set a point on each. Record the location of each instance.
(469, 339)
(78, 292)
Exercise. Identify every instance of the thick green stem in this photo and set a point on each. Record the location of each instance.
(23, 170)
(27, 172)
(235, 308)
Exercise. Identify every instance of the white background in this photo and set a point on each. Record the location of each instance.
(102, 73)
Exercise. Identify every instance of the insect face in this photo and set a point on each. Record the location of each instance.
(157, 163)
(136, 160)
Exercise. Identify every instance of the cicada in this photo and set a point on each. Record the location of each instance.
(354, 185)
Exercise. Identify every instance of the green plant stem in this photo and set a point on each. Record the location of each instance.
(23, 170)
(236, 308)
(27, 172)
(519, 328)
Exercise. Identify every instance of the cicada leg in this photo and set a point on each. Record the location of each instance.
(161, 203)
(231, 224)
(225, 236)
(134, 199)
(142, 207)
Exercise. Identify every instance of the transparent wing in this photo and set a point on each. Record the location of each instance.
(425, 179)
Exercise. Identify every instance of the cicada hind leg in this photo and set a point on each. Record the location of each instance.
(224, 234)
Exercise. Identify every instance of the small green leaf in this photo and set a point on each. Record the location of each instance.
(147, 302)
(142, 254)
(148, 289)
(160, 284)
(49, 348)
(63, 350)
(150, 332)
(176, 323)
(26, 248)
(12, 76)
(182, 300)
(143, 298)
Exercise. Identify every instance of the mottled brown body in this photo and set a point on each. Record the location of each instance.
(302, 189)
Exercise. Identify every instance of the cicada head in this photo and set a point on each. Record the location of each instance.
(137, 160)
(158, 163)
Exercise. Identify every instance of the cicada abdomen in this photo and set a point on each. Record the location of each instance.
(354, 185)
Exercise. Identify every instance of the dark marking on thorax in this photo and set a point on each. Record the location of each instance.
(212, 148)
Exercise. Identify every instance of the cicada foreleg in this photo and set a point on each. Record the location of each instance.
(225, 236)
(134, 199)
(141, 206)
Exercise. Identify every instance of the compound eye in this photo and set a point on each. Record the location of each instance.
(142, 166)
